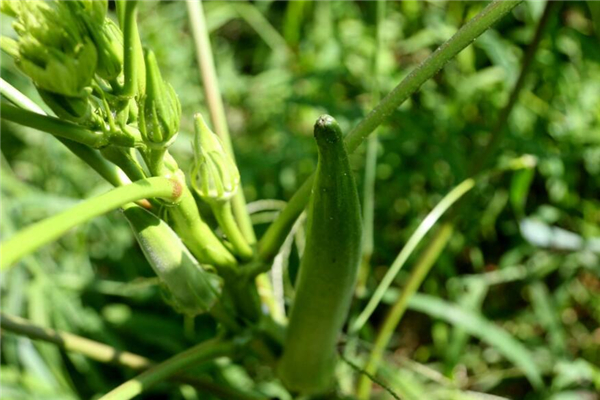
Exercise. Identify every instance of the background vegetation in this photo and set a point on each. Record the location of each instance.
(524, 255)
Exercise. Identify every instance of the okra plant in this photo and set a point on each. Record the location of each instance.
(109, 104)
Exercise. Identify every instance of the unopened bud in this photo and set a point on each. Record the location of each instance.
(160, 110)
(215, 176)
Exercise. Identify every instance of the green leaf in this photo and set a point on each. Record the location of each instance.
(484, 330)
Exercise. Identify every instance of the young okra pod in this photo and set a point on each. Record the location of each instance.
(193, 290)
(328, 268)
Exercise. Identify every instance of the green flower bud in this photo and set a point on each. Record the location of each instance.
(215, 176)
(93, 11)
(55, 50)
(109, 45)
(160, 110)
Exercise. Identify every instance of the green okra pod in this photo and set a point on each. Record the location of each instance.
(328, 268)
(193, 290)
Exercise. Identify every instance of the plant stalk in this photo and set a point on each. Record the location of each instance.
(43, 232)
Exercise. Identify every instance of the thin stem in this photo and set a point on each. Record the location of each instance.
(200, 353)
(215, 106)
(89, 348)
(90, 156)
(43, 232)
(54, 126)
(107, 354)
(368, 204)
(418, 235)
(222, 212)
(275, 235)
(133, 61)
(262, 26)
(420, 271)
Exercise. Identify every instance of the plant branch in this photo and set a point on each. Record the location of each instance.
(54, 126)
(43, 232)
(215, 106)
(272, 239)
(90, 156)
(200, 353)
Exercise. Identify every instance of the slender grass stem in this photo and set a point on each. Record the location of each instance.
(90, 156)
(215, 105)
(198, 354)
(368, 203)
(275, 235)
(107, 354)
(452, 197)
(420, 271)
(43, 232)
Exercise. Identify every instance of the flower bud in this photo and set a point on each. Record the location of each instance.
(109, 45)
(160, 110)
(215, 176)
(54, 47)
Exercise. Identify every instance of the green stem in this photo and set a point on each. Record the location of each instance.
(368, 204)
(54, 126)
(107, 354)
(418, 235)
(125, 159)
(275, 235)
(222, 211)
(89, 348)
(200, 353)
(43, 232)
(133, 61)
(197, 235)
(420, 271)
(90, 156)
(215, 106)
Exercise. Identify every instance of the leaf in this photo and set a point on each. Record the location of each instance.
(484, 330)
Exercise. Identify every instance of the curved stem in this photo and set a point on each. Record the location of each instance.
(422, 267)
(41, 233)
(54, 126)
(277, 232)
(200, 353)
(408, 249)
(215, 106)
(226, 221)
(90, 156)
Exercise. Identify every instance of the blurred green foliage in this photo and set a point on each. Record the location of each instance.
(525, 255)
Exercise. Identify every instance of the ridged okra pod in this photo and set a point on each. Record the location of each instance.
(192, 289)
(328, 268)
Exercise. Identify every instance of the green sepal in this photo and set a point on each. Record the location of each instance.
(194, 290)
(159, 109)
(215, 176)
